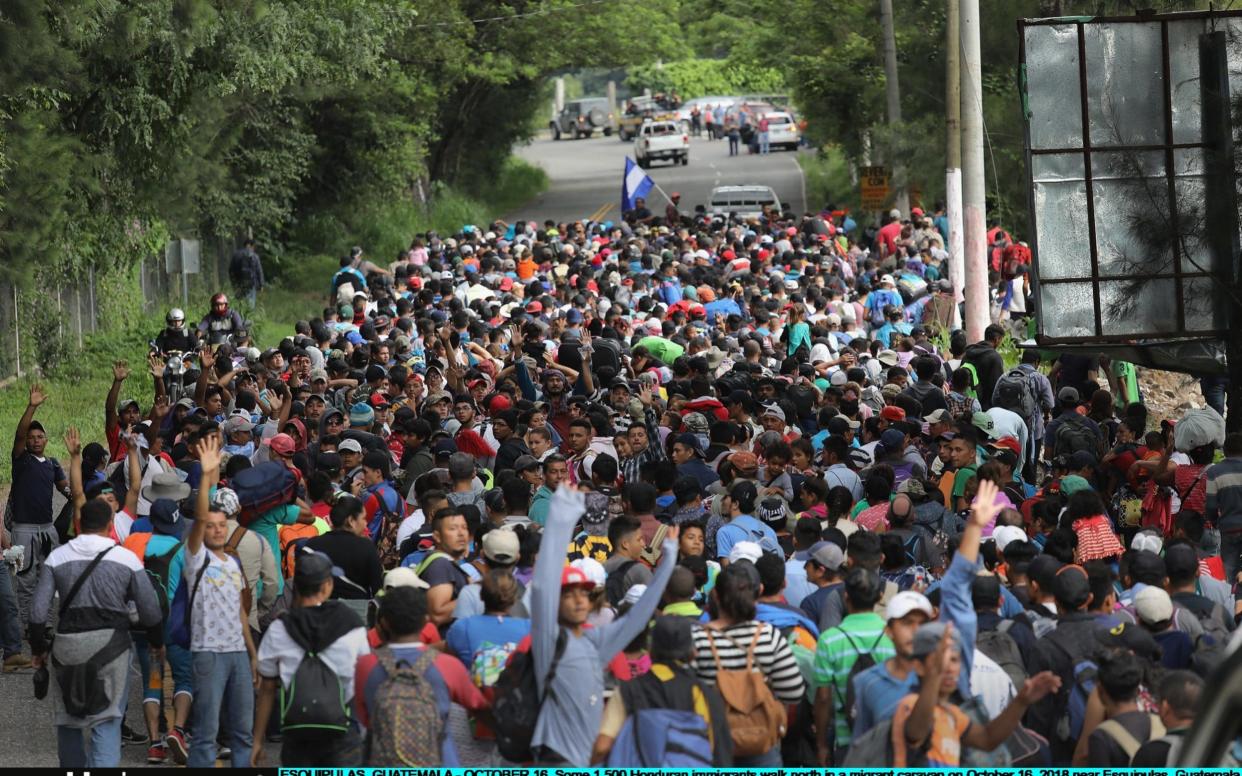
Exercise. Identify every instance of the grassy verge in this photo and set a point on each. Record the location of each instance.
(828, 179)
(296, 291)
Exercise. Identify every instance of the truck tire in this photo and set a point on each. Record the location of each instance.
(685, 159)
(607, 131)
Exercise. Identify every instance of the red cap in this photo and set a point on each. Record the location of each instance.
(476, 382)
(499, 403)
(1008, 443)
(506, 284)
(282, 444)
(728, 255)
(573, 576)
(893, 414)
(534, 307)
(379, 400)
(916, 211)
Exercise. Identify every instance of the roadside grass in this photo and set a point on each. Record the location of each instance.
(828, 179)
(78, 387)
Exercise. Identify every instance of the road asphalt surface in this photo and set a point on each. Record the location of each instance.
(585, 177)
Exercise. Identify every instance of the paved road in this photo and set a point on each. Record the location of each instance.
(586, 176)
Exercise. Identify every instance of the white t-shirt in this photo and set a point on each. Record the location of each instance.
(215, 616)
(279, 655)
(990, 682)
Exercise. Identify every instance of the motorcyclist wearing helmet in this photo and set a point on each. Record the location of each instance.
(220, 322)
(176, 336)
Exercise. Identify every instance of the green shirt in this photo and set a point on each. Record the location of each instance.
(837, 650)
(960, 479)
(665, 350)
(268, 525)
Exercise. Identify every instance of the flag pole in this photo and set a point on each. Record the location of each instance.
(656, 186)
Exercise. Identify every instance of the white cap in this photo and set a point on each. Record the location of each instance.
(1004, 535)
(633, 594)
(592, 568)
(745, 551)
(905, 602)
(1153, 605)
(887, 280)
(404, 576)
(1147, 540)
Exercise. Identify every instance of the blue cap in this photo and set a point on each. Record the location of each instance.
(166, 518)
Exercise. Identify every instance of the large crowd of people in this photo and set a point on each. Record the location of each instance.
(672, 491)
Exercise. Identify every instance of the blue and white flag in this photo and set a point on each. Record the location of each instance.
(634, 184)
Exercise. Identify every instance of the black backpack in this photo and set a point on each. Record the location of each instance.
(1073, 434)
(614, 585)
(157, 567)
(864, 661)
(315, 699)
(518, 702)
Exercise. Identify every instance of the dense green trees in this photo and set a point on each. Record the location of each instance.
(122, 122)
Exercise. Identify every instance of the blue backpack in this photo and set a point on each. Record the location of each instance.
(662, 738)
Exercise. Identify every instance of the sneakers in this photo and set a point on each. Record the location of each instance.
(16, 661)
(131, 737)
(223, 752)
(157, 754)
(177, 745)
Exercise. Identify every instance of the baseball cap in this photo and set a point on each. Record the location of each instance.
(1181, 561)
(525, 463)
(314, 567)
(939, 416)
(584, 572)
(984, 422)
(237, 423)
(1081, 459)
(1147, 565)
(1072, 484)
(1004, 535)
(1153, 605)
(1071, 586)
(838, 425)
(1068, 395)
(349, 446)
(1007, 443)
(1043, 569)
(773, 411)
(892, 439)
(928, 636)
(743, 461)
(828, 555)
(887, 280)
(501, 545)
(166, 518)
(905, 602)
(691, 441)
(750, 551)
(282, 444)
(985, 590)
(1147, 540)
(893, 413)
(1129, 636)
(404, 576)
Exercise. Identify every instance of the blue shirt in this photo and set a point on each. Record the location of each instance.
(876, 694)
(745, 528)
(467, 635)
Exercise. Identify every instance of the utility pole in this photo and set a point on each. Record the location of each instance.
(974, 225)
(892, 93)
(953, 154)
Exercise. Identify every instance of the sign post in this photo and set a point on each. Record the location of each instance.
(874, 182)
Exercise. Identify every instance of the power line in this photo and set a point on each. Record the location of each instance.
(528, 14)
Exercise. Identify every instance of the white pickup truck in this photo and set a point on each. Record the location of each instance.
(661, 140)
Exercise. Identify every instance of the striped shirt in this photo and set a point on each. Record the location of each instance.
(773, 657)
(836, 653)
(1223, 493)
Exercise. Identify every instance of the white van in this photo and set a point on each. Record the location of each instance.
(745, 201)
(782, 131)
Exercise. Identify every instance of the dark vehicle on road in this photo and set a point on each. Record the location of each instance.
(581, 118)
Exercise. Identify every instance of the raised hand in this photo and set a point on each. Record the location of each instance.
(155, 365)
(206, 358)
(208, 450)
(37, 395)
(120, 371)
(73, 441)
(1039, 686)
(985, 507)
(161, 407)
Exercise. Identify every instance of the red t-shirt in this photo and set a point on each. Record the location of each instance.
(888, 235)
(429, 635)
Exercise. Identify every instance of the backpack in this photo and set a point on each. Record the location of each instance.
(614, 585)
(386, 537)
(756, 719)
(292, 538)
(157, 568)
(518, 702)
(606, 353)
(1073, 434)
(875, 749)
(262, 488)
(1209, 651)
(407, 727)
(1001, 647)
(180, 609)
(315, 699)
(1014, 393)
(1128, 743)
(658, 737)
(864, 661)
(230, 549)
(489, 663)
(1069, 723)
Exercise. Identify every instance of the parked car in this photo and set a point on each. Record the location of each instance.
(581, 118)
(743, 201)
(640, 110)
(782, 131)
(662, 140)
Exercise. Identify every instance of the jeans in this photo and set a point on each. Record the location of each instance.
(10, 620)
(1214, 389)
(733, 145)
(39, 541)
(1230, 550)
(221, 678)
(764, 139)
(105, 745)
